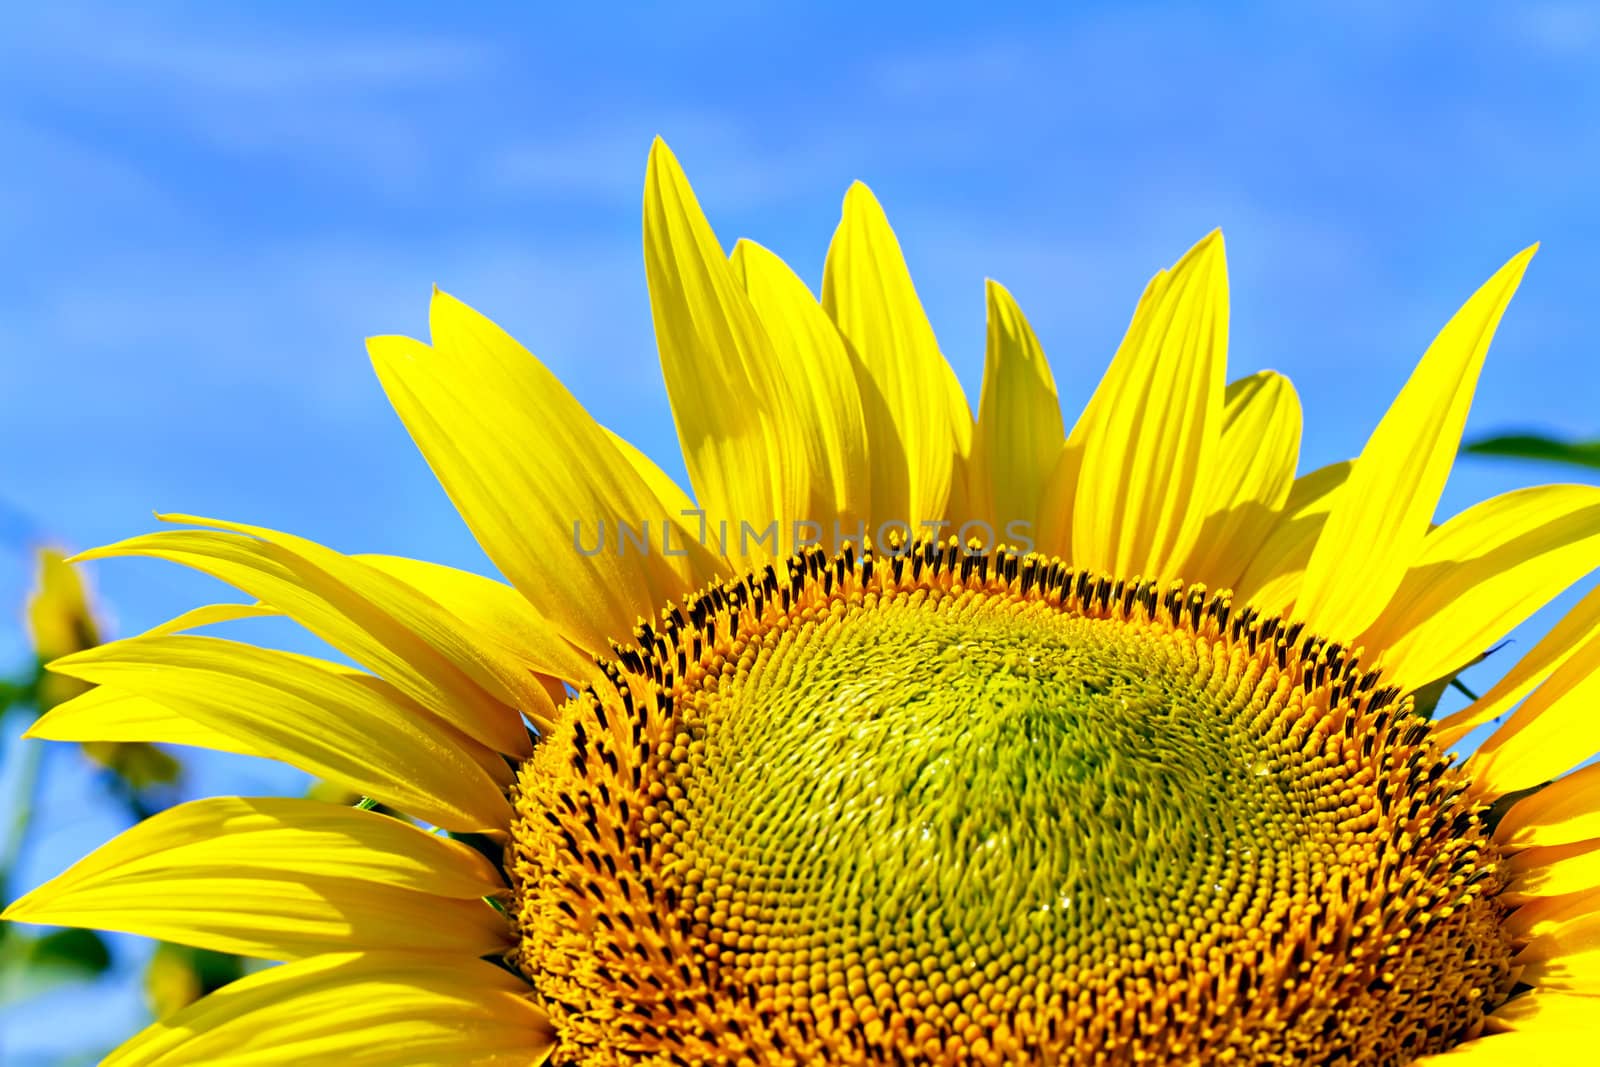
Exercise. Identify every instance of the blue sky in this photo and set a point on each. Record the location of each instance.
(204, 211)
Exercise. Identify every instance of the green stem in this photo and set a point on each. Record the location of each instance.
(31, 755)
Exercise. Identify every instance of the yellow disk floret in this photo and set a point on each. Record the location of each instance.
(949, 808)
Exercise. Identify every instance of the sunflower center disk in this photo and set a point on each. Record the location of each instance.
(947, 810)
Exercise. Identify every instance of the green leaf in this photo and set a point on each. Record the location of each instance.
(80, 953)
(1537, 447)
(19, 691)
(1427, 697)
(215, 969)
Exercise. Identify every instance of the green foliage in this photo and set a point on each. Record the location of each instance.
(1427, 697)
(1537, 447)
(31, 964)
(74, 953)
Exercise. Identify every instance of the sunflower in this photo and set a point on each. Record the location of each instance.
(909, 738)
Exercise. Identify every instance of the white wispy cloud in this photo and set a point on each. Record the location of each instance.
(1566, 29)
(242, 53)
(250, 87)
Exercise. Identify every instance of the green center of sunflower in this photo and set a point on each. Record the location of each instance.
(953, 810)
(1008, 775)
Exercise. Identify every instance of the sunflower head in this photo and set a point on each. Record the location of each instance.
(960, 808)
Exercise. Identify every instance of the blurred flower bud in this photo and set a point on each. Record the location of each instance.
(60, 622)
(178, 975)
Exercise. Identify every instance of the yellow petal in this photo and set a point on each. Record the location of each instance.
(1480, 575)
(356, 1010)
(1554, 928)
(1254, 473)
(1061, 486)
(496, 614)
(959, 507)
(1553, 870)
(1575, 630)
(810, 352)
(107, 714)
(531, 473)
(280, 878)
(1147, 462)
(1540, 1047)
(1554, 730)
(1572, 972)
(379, 622)
(749, 456)
(1277, 568)
(686, 537)
(1019, 434)
(210, 615)
(1054, 534)
(1563, 812)
(670, 494)
(923, 424)
(306, 713)
(1548, 1011)
(1396, 483)
(1261, 425)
